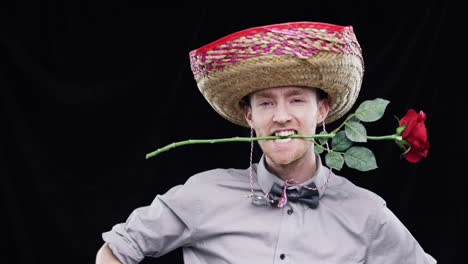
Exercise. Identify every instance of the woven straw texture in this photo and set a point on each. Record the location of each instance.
(313, 57)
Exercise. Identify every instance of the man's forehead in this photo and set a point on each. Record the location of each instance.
(286, 90)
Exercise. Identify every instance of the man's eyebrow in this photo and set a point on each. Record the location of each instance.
(267, 94)
(264, 94)
(294, 92)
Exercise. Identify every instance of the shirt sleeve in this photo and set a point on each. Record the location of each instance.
(154, 230)
(391, 242)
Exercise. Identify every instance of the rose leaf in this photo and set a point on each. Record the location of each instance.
(323, 140)
(360, 158)
(355, 131)
(318, 149)
(371, 110)
(340, 142)
(334, 160)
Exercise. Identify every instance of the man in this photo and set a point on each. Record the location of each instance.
(279, 80)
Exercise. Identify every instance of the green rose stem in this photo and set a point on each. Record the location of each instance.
(249, 139)
(388, 137)
(342, 124)
(233, 139)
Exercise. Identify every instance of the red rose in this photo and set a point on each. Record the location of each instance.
(415, 133)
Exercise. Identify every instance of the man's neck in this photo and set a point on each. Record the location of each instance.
(299, 171)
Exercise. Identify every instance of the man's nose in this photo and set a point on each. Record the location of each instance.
(281, 114)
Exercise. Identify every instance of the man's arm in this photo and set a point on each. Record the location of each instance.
(393, 243)
(154, 230)
(105, 256)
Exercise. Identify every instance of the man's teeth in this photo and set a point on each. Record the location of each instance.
(284, 134)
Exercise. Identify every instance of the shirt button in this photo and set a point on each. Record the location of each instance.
(282, 256)
(290, 211)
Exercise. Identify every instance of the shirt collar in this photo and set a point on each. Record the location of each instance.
(266, 179)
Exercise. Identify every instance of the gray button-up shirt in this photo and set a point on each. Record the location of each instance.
(210, 217)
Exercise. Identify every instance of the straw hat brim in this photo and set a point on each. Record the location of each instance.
(338, 74)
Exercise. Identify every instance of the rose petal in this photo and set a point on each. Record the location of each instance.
(421, 116)
(420, 132)
(410, 120)
(425, 149)
(413, 157)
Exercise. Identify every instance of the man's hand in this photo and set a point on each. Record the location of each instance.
(105, 256)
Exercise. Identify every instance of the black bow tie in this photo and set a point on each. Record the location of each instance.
(307, 196)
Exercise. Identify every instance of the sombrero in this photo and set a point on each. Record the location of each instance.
(310, 54)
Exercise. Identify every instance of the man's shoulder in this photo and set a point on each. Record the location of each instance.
(211, 189)
(220, 174)
(204, 185)
(344, 191)
(220, 177)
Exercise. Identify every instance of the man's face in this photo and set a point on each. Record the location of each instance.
(283, 111)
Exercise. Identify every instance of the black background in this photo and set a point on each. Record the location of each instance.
(88, 88)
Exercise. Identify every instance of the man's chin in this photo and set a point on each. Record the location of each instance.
(281, 161)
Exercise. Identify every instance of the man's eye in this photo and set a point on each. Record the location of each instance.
(297, 100)
(265, 103)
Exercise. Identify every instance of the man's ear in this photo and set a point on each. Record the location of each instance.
(322, 111)
(248, 114)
